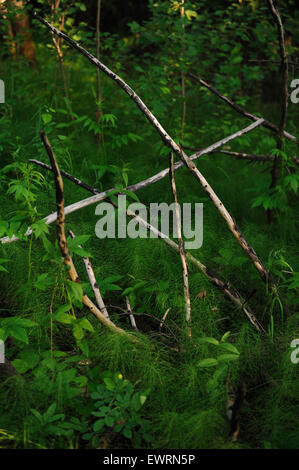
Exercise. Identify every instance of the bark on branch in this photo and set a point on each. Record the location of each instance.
(93, 281)
(62, 242)
(181, 248)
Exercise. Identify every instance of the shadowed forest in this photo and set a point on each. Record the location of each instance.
(147, 341)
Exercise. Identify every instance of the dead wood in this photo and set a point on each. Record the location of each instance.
(230, 292)
(181, 248)
(168, 141)
(93, 281)
(62, 242)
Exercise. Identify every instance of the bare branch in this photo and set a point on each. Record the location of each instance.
(93, 281)
(226, 288)
(164, 318)
(258, 264)
(181, 248)
(238, 155)
(236, 107)
(132, 319)
(135, 187)
(62, 242)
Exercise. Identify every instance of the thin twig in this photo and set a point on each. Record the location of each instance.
(93, 281)
(164, 318)
(238, 155)
(132, 318)
(181, 248)
(239, 109)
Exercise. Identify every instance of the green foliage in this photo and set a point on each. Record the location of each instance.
(118, 407)
(226, 352)
(58, 349)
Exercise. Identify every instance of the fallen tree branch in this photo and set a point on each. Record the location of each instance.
(93, 281)
(238, 155)
(167, 139)
(226, 288)
(99, 196)
(62, 242)
(181, 248)
(239, 109)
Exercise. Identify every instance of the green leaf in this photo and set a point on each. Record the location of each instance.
(46, 118)
(110, 385)
(229, 347)
(225, 336)
(207, 339)
(228, 357)
(83, 345)
(98, 425)
(19, 333)
(78, 332)
(143, 399)
(85, 324)
(81, 252)
(209, 362)
(76, 292)
(61, 315)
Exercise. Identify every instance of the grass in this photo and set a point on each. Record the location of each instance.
(185, 408)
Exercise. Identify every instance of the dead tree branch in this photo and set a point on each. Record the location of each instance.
(239, 109)
(167, 139)
(62, 242)
(99, 196)
(230, 292)
(238, 155)
(93, 282)
(181, 248)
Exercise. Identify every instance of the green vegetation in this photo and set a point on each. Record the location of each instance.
(72, 383)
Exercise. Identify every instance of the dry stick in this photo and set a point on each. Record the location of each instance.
(181, 248)
(132, 319)
(227, 289)
(238, 155)
(236, 107)
(93, 281)
(54, 8)
(164, 318)
(243, 156)
(62, 243)
(135, 187)
(167, 139)
(276, 169)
